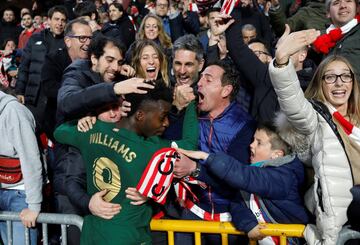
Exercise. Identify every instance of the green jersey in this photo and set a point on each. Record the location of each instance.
(115, 159)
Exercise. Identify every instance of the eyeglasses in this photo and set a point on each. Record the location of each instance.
(81, 39)
(163, 5)
(258, 53)
(344, 77)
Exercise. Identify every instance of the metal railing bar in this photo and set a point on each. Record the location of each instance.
(49, 218)
(197, 238)
(224, 238)
(347, 234)
(63, 235)
(9, 232)
(171, 239)
(27, 236)
(45, 234)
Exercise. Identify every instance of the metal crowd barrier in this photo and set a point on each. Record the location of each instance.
(170, 226)
(45, 219)
(224, 228)
(347, 234)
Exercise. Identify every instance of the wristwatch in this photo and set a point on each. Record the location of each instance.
(196, 171)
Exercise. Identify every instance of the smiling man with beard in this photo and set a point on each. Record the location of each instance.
(87, 85)
(29, 29)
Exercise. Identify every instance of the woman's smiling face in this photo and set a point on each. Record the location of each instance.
(150, 63)
(151, 28)
(337, 93)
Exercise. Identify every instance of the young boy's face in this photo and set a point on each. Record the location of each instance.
(260, 148)
(113, 114)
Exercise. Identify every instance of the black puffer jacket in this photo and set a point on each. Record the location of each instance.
(29, 76)
(9, 30)
(51, 77)
(122, 29)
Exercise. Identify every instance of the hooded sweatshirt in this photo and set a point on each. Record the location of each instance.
(17, 134)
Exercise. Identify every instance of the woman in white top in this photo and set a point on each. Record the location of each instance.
(331, 138)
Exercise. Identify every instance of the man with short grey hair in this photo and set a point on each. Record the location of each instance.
(248, 32)
(188, 61)
(77, 37)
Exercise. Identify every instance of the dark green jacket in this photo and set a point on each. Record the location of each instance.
(313, 15)
(349, 47)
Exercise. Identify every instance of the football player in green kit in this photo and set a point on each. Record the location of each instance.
(116, 156)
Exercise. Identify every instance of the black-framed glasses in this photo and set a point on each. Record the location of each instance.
(163, 5)
(259, 52)
(344, 77)
(81, 38)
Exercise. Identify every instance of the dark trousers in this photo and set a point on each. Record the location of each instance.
(206, 239)
(64, 206)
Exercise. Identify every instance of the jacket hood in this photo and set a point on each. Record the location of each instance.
(5, 99)
(279, 161)
(299, 143)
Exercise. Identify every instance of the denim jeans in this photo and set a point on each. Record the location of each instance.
(14, 201)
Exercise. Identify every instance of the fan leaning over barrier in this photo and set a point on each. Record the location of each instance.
(116, 156)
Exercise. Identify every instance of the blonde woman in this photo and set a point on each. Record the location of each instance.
(149, 61)
(328, 128)
(152, 28)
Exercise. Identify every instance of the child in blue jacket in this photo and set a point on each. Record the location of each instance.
(269, 188)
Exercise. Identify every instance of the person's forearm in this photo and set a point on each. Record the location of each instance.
(190, 129)
(75, 104)
(24, 141)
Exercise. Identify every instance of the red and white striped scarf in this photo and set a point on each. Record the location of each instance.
(193, 7)
(351, 130)
(228, 6)
(156, 180)
(183, 191)
(4, 61)
(255, 209)
(327, 41)
(132, 22)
